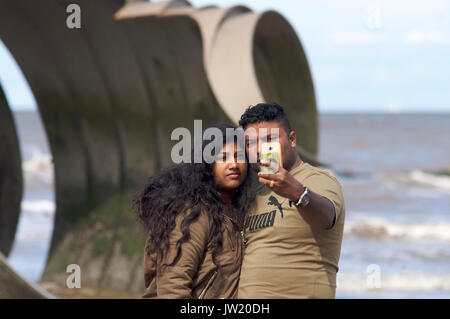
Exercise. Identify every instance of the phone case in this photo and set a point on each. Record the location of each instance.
(271, 152)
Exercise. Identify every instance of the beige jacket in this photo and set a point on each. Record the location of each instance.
(195, 275)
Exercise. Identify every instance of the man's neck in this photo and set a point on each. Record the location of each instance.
(298, 161)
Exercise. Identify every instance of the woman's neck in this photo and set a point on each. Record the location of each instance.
(226, 196)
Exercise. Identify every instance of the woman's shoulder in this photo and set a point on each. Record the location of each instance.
(198, 218)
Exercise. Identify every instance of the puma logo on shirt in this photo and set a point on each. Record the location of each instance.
(274, 201)
(264, 220)
(255, 222)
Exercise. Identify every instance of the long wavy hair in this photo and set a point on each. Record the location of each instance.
(188, 188)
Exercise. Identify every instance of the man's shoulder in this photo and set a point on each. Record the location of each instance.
(308, 171)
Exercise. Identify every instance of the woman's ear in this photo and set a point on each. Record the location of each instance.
(292, 138)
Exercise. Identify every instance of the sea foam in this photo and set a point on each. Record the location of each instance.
(380, 228)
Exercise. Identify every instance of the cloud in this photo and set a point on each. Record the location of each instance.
(351, 38)
(426, 36)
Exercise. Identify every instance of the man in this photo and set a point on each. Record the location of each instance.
(294, 231)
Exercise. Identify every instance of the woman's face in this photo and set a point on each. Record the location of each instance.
(228, 172)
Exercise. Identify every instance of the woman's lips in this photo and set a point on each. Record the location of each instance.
(234, 175)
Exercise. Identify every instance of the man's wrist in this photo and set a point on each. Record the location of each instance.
(299, 191)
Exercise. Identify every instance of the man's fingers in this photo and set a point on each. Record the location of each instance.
(271, 164)
(269, 176)
(266, 181)
(275, 167)
(264, 163)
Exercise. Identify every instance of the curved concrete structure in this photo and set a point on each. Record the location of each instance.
(283, 74)
(13, 285)
(210, 20)
(266, 63)
(11, 181)
(73, 103)
(89, 94)
(111, 93)
(168, 46)
(128, 95)
(130, 114)
(58, 113)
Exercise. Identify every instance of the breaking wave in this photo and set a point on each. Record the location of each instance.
(384, 229)
(441, 181)
(360, 283)
(38, 169)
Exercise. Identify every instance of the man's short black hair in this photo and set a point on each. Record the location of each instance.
(265, 112)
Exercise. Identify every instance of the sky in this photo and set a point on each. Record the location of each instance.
(365, 55)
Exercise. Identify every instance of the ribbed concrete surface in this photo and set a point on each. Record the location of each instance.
(168, 47)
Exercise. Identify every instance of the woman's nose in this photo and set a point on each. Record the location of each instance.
(233, 162)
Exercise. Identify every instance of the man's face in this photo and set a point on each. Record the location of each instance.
(263, 132)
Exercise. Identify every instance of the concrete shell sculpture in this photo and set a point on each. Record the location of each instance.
(10, 177)
(111, 92)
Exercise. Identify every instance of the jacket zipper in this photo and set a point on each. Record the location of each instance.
(210, 281)
(244, 240)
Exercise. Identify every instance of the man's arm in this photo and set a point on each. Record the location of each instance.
(319, 212)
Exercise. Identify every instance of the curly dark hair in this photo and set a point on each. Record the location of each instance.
(188, 188)
(265, 112)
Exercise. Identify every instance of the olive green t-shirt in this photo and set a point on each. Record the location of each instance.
(285, 257)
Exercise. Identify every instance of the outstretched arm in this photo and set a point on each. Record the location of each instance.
(320, 211)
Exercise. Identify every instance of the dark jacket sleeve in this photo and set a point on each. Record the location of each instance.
(176, 281)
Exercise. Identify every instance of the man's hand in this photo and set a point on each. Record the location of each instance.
(284, 184)
(319, 212)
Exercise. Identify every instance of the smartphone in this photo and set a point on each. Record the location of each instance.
(271, 151)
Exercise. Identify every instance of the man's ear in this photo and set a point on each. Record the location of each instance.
(293, 138)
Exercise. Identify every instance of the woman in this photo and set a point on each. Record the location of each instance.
(194, 214)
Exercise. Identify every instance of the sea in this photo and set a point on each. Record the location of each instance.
(395, 173)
